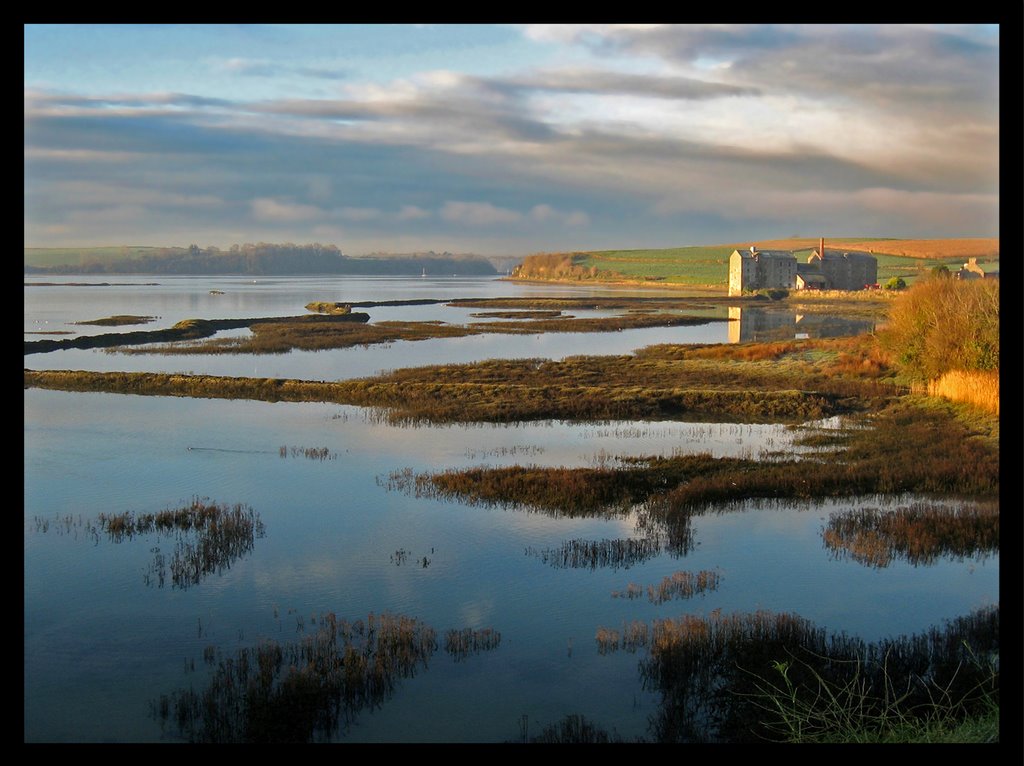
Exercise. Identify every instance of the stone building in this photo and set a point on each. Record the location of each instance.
(974, 270)
(757, 269)
(842, 270)
(825, 270)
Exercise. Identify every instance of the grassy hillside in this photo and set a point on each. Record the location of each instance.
(45, 257)
(709, 265)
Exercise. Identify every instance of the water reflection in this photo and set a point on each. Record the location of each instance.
(208, 537)
(748, 325)
(919, 533)
(313, 688)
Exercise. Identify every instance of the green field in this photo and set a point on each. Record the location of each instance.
(709, 265)
(676, 265)
(44, 257)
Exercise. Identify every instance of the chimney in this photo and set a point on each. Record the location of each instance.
(821, 247)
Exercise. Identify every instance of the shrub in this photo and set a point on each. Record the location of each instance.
(941, 325)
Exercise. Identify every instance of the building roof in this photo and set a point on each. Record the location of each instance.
(765, 253)
(854, 254)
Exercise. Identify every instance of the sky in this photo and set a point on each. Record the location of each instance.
(508, 139)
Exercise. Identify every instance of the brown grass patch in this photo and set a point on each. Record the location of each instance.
(978, 388)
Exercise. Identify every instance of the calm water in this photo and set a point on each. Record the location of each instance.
(103, 641)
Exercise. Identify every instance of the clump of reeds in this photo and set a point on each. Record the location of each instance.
(310, 689)
(118, 320)
(209, 537)
(683, 585)
(537, 314)
(978, 388)
(710, 670)
(592, 554)
(468, 641)
(516, 449)
(329, 307)
(574, 729)
(312, 453)
(675, 585)
(631, 591)
(920, 533)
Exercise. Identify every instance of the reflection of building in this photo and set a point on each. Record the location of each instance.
(757, 269)
(755, 324)
(825, 270)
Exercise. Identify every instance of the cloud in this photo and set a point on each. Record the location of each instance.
(546, 214)
(412, 213)
(603, 81)
(358, 213)
(270, 69)
(900, 66)
(478, 214)
(268, 209)
(577, 218)
(650, 127)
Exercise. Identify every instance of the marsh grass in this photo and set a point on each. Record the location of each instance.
(620, 553)
(657, 383)
(328, 307)
(573, 729)
(920, 533)
(313, 688)
(282, 336)
(460, 644)
(913, 446)
(208, 537)
(538, 314)
(677, 585)
(310, 453)
(979, 388)
(119, 319)
(855, 710)
(717, 679)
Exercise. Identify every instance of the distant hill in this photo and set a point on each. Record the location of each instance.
(260, 259)
(708, 266)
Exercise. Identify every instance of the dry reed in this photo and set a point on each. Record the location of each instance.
(978, 388)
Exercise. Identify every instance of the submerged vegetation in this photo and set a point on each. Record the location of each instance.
(208, 537)
(919, 533)
(792, 382)
(310, 689)
(190, 330)
(717, 677)
(675, 585)
(284, 335)
(595, 554)
(120, 319)
(911, 446)
(312, 453)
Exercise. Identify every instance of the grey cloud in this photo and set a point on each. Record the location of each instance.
(601, 82)
(38, 98)
(938, 67)
(262, 68)
(446, 115)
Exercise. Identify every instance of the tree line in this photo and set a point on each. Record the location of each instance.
(266, 259)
